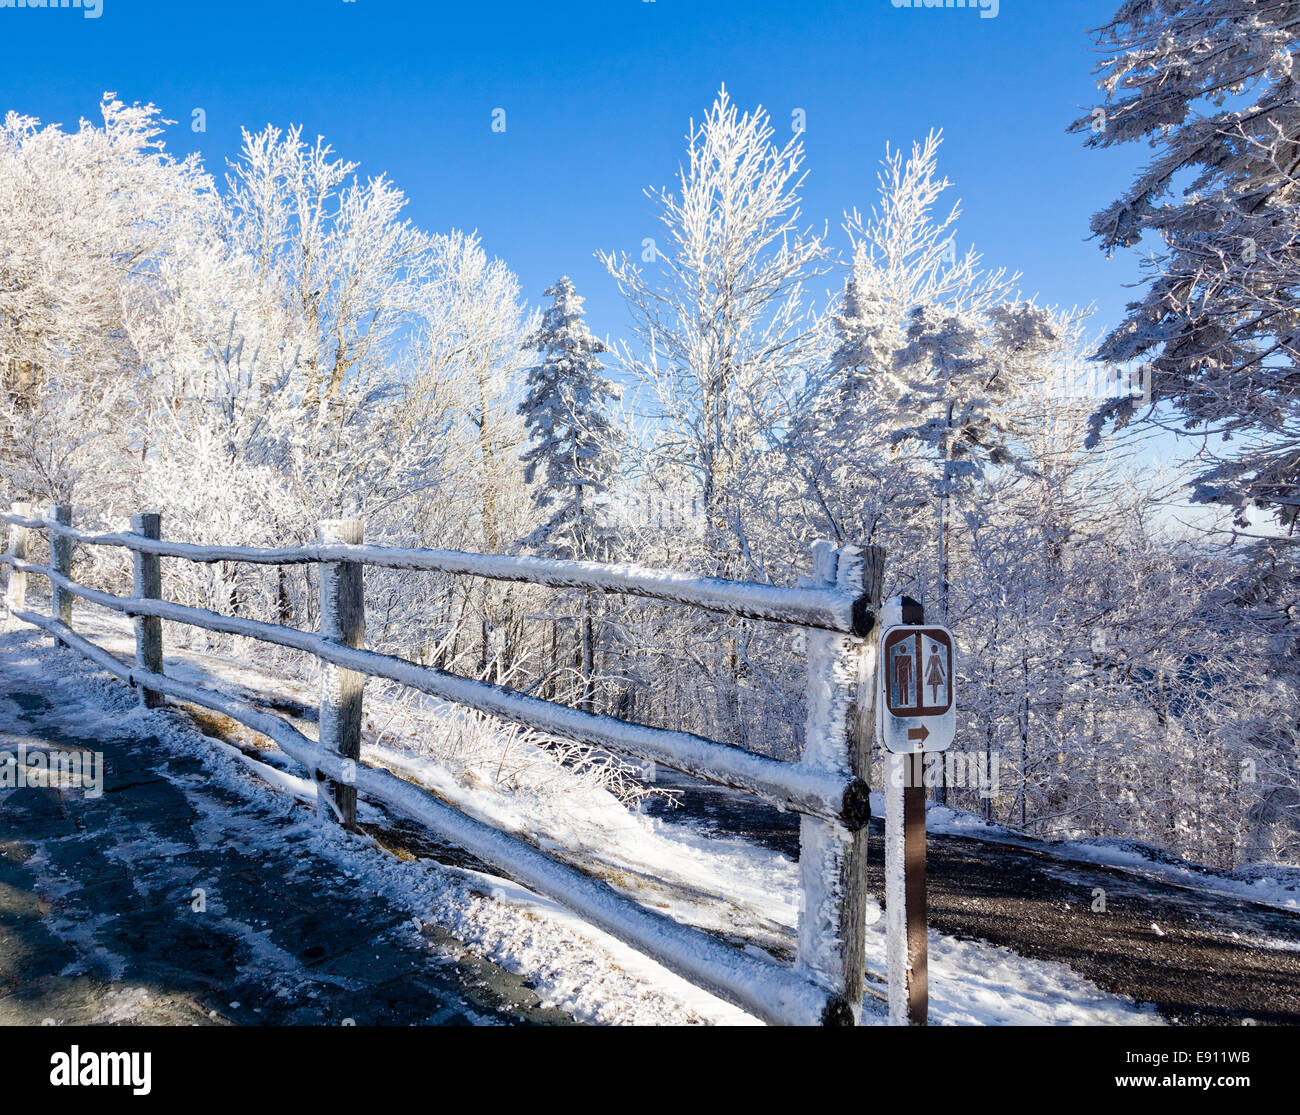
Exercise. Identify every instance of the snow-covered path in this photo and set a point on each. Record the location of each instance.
(735, 887)
(523, 957)
(171, 898)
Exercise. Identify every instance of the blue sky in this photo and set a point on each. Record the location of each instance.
(598, 94)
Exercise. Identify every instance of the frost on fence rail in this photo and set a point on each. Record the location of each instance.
(830, 791)
(771, 990)
(833, 796)
(828, 608)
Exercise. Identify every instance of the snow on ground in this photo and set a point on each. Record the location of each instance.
(747, 893)
(572, 966)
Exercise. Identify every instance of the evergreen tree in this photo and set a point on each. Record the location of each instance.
(574, 443)
(1209, 85)
(574, 455)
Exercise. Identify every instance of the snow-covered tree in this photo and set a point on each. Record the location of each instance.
(463, 391)
(953, 389)
(963, 372)
(856, 478)
(572, 459)
(343, 274)
(721, 317)
(280, 341)
(87, 219)
(724, 335)
(1210, 86)
(841, 463)
(574, 455)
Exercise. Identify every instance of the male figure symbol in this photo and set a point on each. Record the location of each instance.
(903, 678)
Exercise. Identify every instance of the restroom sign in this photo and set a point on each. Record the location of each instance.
(915, 703)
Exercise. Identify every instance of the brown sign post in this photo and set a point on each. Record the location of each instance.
(916, 704)
(915, 896)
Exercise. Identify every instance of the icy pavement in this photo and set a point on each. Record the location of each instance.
(171, 899)
(302, 922)
(114, 895)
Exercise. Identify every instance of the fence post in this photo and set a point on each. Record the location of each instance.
(16, 586)
(342, 618)
(839, 736)
(61, 563)
(148, 586)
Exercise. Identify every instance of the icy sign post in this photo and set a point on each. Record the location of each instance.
(916, 689)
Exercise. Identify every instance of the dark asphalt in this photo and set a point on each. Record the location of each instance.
(97, 921)
(1217, 962)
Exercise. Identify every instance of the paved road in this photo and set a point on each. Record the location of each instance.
(97, 921)
(1214, 961)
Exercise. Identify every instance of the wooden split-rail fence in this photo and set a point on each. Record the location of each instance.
(827, 786)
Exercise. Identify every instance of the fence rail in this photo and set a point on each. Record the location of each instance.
(828, 608)
(827, 786)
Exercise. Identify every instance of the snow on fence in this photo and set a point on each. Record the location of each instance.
(827, 786)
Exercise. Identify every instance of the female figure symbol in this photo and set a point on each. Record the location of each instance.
(935, 675)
